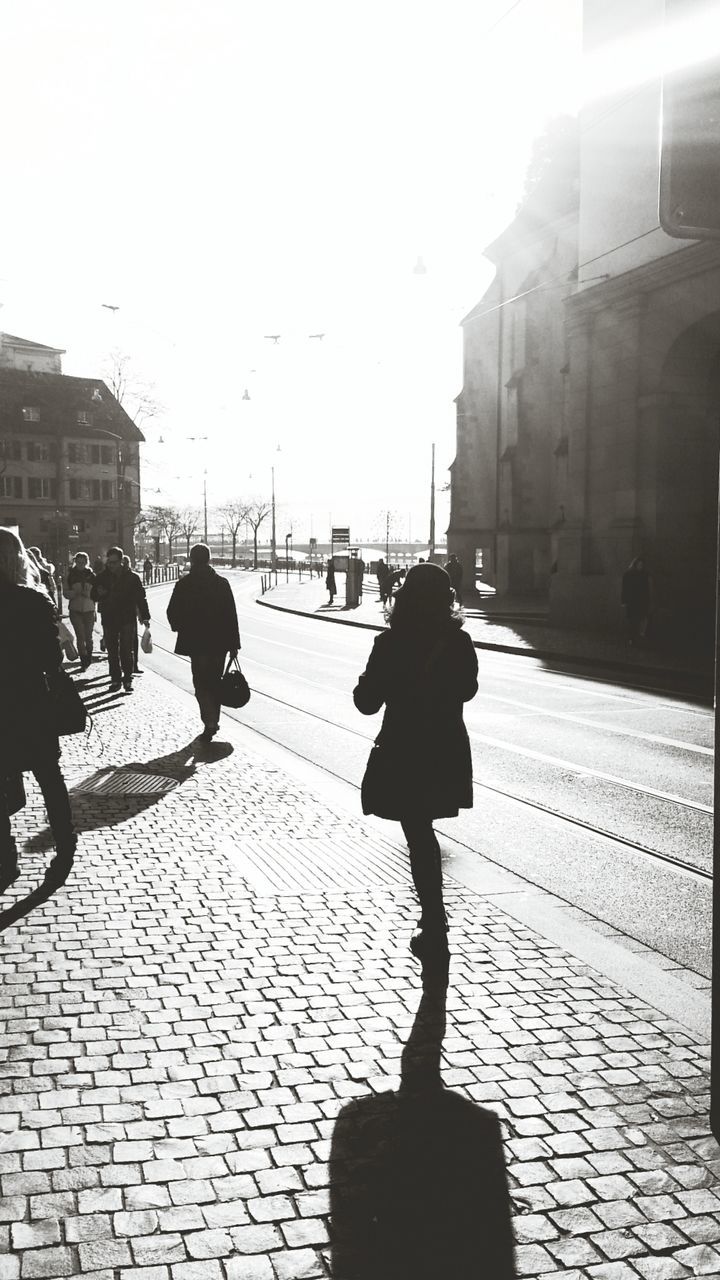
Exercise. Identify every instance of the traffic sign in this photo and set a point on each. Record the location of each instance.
(340, 536)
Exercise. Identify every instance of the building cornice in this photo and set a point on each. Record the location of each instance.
(695, 260)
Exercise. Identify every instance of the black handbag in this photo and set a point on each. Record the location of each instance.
(234, 688)
(66, 706)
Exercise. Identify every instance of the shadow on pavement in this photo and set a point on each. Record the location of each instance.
(418, 1188)
(93, 810)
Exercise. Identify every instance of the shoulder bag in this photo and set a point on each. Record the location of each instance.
(234, 688)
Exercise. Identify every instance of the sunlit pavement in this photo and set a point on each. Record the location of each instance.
(180, 1040)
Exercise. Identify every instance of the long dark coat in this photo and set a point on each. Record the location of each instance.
(202, 611)
(30, 655)
(424, 766)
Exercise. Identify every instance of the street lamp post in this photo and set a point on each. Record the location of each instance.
(273, 548)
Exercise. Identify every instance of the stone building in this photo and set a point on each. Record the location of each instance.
(621, 430)
(69, 455)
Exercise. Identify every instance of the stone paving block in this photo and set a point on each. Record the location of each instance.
(249, 1268)
(96, 1254)
(51, 1263)
(297, 1264)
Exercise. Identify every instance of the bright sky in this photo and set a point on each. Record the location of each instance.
(225, 169)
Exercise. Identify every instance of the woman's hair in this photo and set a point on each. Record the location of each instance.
(82, 559)
(425, 601)
(16, 566)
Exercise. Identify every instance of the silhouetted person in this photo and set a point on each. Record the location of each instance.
(418, 1189)
(121, 600)
(30, 666)
(382, 573)
(202, 611)
(330, 579)
(635, 595)
(147, 571)
(423, 668)
(454, 571)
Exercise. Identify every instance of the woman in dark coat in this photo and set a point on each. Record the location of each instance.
(30, 662)
(202, 611)
(423, 669)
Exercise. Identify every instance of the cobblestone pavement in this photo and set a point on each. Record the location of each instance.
(177, 1048)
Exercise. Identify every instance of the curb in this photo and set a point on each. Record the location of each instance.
(546, 655)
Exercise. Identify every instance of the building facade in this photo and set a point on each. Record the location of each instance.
(69, 456)
(621, 451)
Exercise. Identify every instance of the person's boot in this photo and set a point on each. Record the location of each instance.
(61, 865)
(429, 945)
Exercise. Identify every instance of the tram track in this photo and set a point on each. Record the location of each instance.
(680, 865)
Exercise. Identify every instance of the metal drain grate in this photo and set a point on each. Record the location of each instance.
(349, 862)
(126, 782)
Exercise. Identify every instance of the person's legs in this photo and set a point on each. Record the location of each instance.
(88, 623)
(78, 626)
(111, 633)
(127, 661)
(207, 670)
(49, 778)
(426, 868)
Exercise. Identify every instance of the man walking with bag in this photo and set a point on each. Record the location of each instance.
(121, 599)
(202, 611)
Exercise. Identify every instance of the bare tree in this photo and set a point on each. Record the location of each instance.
(234, 515)
(129, 389)
(167, 522)
(189, 523)
(257, 512)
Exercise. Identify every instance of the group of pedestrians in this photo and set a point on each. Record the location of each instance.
(422, 669)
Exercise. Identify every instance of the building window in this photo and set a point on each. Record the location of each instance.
(11, 450)
(95, 484)
(94, 452)
(39, 487)
(31, 415)
(11, 487)
(40, 451)
(77, 453)
(106, 454)
(111, 526)
(80, 524)
(84, 418)
(107, 490)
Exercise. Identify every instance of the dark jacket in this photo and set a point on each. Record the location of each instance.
(202, 611)
(30, 658)
(454, 571)
(423, 741)
(121, 597)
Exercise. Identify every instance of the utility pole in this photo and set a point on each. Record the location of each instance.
(205, 537)
(387, 537)
(432, 508)
(273, 553)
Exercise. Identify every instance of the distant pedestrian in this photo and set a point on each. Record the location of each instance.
(635, 596)
(136, 645)
(454, 570)
(121, 599)
(360, 576)
(202, 611)
(422, 668)
(147, 571)
(30, 667)
(46, 571)
(382, 573)
(81, 606)
(330, 579)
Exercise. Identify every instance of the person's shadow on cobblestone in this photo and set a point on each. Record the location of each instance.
(93, 810)
(418, 1189)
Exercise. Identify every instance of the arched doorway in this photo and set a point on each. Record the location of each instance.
(685, 488)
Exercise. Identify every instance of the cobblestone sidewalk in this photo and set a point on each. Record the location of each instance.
(178, 1051)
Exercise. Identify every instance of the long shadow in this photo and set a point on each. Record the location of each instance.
(94, 810)
(418, 1189)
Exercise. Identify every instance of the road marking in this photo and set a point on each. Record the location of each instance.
(596, 724)
(586, 771)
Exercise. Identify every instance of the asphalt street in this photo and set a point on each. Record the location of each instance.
(599, 792)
